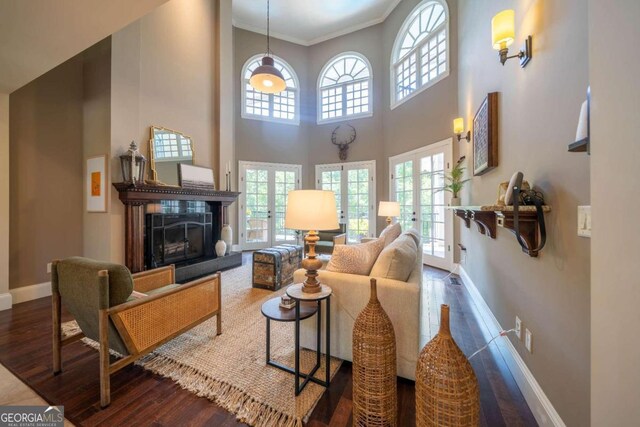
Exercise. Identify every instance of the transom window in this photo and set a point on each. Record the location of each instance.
(344, 88)
(421, 51)
(280, 107)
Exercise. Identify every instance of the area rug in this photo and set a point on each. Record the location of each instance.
(230, 369)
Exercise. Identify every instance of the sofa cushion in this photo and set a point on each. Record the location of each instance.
(355, 259)
(390, 233)
(397, 260)
(415, 234)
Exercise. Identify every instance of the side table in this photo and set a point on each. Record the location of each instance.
(295, 292)
(272, 311)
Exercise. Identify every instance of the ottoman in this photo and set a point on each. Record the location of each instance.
(274, 267)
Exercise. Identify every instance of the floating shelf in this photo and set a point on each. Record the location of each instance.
(489, 217)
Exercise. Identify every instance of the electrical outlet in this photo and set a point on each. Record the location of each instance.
(518, 328)
(48, 267)
(527, 339)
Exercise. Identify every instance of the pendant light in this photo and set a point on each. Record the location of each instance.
(267, 78)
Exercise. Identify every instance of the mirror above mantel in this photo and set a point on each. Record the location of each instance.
(168, 149)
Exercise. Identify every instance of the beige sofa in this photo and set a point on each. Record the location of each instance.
(401, 301)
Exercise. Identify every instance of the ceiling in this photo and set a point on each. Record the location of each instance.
(38, 35)
(309, 22)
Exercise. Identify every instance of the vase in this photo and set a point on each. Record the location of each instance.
(375, 395)
(447, 391)
(226, 234)
(455, 201)
(221, 248)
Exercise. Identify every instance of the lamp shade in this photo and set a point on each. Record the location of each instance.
(503, 29)
(389, 209)
(311, 210)
(267, 78)
(458, 125)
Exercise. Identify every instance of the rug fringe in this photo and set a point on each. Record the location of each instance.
(231, 398)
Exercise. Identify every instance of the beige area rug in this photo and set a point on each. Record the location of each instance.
(230, 369)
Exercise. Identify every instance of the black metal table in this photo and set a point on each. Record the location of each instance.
(306, 306)
(295, 292)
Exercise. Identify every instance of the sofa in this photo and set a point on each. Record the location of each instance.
(400, 299)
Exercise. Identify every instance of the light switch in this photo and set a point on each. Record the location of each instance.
(584, 221)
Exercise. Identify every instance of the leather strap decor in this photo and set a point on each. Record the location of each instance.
(538, 201)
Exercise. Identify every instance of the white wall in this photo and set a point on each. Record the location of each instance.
(615, 283)
(5, 296)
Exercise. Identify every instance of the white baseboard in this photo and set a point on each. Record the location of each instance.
(28, 293)
(5, 301)
(542, 409)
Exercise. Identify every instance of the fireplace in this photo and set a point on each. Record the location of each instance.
(177, 238)
(172, 225)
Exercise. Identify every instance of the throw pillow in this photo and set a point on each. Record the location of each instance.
(390, 233)
(397, 260)
(355, 259)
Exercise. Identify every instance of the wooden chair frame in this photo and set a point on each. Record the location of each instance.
(140, 334)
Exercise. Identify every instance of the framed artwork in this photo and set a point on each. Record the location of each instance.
(96, 184)
(196, 177)
(485, 135)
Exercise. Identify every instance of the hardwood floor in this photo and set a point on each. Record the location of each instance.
(142, 398)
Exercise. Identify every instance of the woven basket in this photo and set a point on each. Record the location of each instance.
(375, 395)
(446, 386)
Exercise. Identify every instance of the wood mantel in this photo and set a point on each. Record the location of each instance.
(135, 198)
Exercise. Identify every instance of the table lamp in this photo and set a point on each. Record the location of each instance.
(311, 210)
(389, 209)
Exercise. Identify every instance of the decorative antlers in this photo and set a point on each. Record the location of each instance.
(342, 137)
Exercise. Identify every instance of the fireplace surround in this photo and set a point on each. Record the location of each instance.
(172, 225)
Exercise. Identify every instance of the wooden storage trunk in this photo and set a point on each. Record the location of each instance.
(274, 267)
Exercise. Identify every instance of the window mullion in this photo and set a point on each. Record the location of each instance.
(344, 100)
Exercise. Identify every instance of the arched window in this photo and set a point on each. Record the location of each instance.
(283, 107)
(344, 88)
(420, 56)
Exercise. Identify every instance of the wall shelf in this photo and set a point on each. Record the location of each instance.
(489, 217)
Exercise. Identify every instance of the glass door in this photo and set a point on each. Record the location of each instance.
(417, 182)
(263, 202)
(354, 186)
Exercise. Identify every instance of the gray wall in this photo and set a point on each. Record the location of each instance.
(166, 78)
(539, 108)
(615, 121)
(46, 205)
(57, 122)
(257, 140)
(418, 122)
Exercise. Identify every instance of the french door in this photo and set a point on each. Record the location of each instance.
(354, 184)
(263, 202)
(417, 181)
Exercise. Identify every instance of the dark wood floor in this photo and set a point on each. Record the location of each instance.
(142, 398)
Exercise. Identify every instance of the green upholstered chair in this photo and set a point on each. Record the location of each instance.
(99, 295)
(328, 239)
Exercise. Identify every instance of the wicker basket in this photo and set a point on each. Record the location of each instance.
(446, 386)
(375, 393)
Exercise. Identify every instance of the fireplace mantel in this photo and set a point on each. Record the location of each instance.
(135, 198)
(146, 193)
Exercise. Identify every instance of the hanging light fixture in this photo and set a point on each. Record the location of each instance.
(267, 78)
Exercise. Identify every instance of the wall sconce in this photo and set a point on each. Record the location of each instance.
(458, 129)
(503, 34)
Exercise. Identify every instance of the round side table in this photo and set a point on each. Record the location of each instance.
(271, 310)
(295, 292)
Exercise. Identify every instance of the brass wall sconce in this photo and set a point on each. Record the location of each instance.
(458, 129)
(503, 35)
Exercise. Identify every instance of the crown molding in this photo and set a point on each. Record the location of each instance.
(329, 36)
